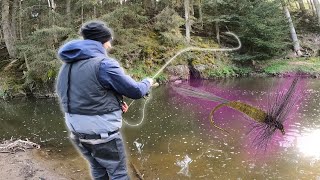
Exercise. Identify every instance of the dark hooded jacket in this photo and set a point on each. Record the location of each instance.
(90, 82)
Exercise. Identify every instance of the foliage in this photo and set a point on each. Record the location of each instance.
(228, 71)
(168, 20)
(260, 25)
(147, 35)
(39, 52)
(128, 23)
(305, 23)
(279, 66)
(168, 24)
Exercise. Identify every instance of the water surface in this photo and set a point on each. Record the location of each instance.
(177, 128)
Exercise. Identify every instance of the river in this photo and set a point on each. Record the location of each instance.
(176, 140)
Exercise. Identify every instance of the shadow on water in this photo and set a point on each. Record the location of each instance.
(177, 127)
(38, 120)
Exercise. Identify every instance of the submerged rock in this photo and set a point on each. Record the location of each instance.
(178, 72)
(198, 71)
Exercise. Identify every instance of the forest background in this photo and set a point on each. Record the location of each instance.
(278, 37)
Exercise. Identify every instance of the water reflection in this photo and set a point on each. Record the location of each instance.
(176, 126)
(38, 120)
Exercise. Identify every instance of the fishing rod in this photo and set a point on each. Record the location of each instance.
(188, 49)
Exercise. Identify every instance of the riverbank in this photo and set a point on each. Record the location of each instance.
(310, 67)
(23, 165)
(23, 159)
(307, 66)
(42, 164)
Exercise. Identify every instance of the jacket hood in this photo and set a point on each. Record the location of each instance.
(77, 50)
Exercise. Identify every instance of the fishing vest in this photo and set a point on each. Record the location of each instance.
(80, 92)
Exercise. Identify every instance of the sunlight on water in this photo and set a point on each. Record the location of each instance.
(138, 145)
(309, 144)
(184, 164)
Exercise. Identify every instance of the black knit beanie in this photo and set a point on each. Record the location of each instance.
(96, 30)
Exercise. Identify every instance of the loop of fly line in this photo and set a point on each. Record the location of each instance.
(191, 48)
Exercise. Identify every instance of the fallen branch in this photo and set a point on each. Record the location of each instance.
(17, 145)
(136, 171)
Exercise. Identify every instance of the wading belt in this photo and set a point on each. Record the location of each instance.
(94, 136)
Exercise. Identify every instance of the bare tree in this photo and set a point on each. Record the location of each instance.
(311, 7)
(187, 18)
(191, 8)
(68, 11)
(14, 12)
(297, 4)
(200, 12)
(82, 16)
(8, 35)
(294, 37)
(317, 7)
(20, 21)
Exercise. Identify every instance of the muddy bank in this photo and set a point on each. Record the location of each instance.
(24, 165)
(43, 165)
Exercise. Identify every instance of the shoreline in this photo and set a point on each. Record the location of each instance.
(313, 75)
(23, 165)
(41, 164)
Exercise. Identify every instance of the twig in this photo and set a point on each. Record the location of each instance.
(136, 171)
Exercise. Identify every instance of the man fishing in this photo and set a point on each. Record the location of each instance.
(91, 86)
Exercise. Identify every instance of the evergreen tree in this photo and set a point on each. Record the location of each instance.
(260, 25)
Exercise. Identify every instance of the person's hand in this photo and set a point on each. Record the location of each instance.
(150, 80)
(124, 107)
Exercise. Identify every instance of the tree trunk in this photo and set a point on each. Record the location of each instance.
(6, 28)
(312, 8)
(217, 23)
(20, 21)
(187, 18)
(81, 11)
(200, 12)
(294, 37)
(191, 8)
(53, 6)
(317, 7)
(68, 11)
(217, 31)
(26, 61)
(1, 36)
(297, 4)
(302, 7)
(14, 16)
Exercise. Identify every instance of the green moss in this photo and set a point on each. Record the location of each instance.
(162, 78)
(243, 71)
(228, 71)
(306, 65)
(277, 67)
